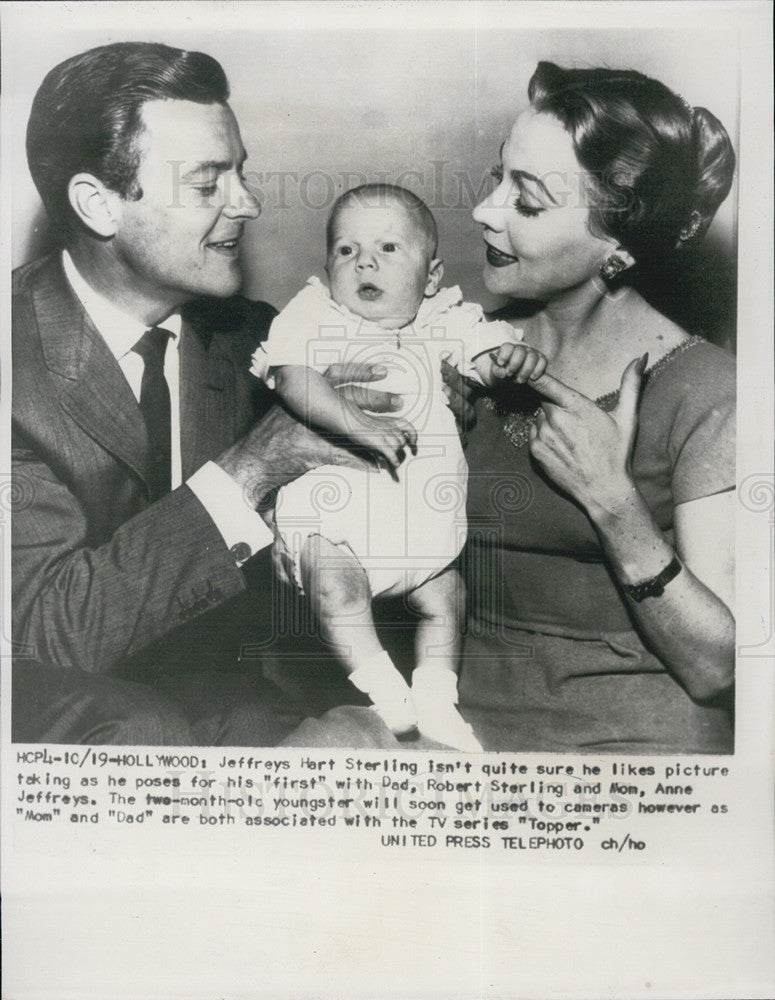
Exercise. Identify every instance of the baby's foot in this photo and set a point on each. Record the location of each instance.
(434, 690)
(389, 692)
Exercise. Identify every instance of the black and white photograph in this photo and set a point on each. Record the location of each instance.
(509, 449)
(371, 414)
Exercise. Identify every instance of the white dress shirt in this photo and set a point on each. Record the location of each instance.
(219, 494)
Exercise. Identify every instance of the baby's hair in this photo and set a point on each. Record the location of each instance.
(415, 207)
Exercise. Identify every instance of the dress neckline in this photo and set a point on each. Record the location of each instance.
(517, 424)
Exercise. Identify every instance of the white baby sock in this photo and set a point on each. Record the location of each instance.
(434, 690)
(392, 698)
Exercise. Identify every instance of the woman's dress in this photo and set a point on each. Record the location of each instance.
(551, 660)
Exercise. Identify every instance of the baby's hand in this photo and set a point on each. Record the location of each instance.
(386, 436)
(518, 361)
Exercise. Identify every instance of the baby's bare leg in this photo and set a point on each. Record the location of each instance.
(338, 589)
(440, 604)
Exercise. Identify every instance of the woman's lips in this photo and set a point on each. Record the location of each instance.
(369, 292)
(498, 259)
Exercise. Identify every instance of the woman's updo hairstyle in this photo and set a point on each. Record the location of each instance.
(659, 168)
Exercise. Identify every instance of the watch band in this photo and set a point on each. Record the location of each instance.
(655, 587)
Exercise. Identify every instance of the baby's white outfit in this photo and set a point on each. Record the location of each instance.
(402, 532)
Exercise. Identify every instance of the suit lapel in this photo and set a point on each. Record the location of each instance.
(98, 397)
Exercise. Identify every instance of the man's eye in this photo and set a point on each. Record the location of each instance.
(497, 173)
(389, 248)
(207, 191)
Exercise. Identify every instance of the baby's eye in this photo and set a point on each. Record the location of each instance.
(389, 248)
(344, 251)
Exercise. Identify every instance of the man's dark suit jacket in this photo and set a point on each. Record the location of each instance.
(98, 573)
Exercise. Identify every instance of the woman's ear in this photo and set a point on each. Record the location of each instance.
(96, 206)
(435, 274)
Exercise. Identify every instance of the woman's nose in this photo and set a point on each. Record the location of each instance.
(489, 211)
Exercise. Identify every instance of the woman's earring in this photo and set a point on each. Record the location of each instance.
(612, 267)
(690, 231)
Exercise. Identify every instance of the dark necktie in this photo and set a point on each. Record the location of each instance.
(155, 407)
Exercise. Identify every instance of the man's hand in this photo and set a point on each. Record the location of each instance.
(279, 448)
(385, 436)
(348, 379)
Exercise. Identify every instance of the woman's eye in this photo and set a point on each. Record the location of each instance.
(388, 248)
(528, 211)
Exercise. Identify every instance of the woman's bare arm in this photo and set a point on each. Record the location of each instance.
(586, 451)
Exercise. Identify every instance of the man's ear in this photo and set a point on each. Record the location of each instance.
(96, 206)
(435, 274)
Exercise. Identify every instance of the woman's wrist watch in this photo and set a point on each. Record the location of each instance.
(655, 587)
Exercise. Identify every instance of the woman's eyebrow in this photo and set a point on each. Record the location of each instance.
(522, 175)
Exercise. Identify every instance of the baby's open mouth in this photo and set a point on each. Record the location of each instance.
(369, 292)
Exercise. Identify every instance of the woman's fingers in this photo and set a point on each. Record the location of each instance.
(626, 411)
(559, 393)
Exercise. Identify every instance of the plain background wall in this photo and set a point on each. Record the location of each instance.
(325, 109)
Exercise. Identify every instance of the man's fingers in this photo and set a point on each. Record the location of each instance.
(410, 434)
(372, 399)
(338, 374)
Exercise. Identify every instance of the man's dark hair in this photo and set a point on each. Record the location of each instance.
(86, 116)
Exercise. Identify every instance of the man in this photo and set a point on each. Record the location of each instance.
(136, 454)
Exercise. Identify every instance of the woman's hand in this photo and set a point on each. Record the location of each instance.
(586, 452)
(583, 449)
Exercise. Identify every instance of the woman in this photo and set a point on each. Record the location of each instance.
(600, 560)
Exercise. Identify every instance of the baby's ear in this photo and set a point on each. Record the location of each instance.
(435, 274)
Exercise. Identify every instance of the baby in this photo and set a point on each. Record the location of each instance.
(353, 534)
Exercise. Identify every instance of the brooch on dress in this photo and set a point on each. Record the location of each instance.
(519, 418)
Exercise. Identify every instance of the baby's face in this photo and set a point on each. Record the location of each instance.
(378, 265)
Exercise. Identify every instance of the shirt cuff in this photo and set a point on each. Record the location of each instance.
(242, 528)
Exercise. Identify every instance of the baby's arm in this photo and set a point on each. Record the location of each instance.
(515, 361)
(310, 396)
